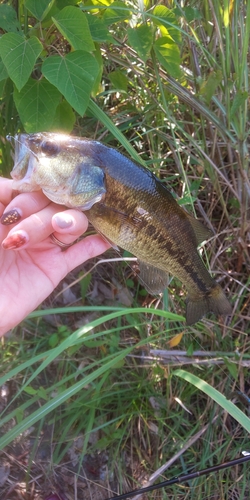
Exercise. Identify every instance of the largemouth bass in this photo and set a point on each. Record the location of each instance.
(128, 205)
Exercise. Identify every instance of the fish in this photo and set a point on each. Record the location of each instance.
(128, 205)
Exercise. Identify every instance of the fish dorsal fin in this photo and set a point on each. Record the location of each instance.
(153, 279)
(202, 233)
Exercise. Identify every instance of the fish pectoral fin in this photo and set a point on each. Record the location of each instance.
(202, 233)
(153, 279)
(127, 220)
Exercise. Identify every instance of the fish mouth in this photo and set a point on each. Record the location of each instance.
(24, 166)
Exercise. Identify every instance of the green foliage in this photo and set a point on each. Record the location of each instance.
(84, 284)
(37, 104)
(57, 41)
(15, 48)
(165, 19)
(8, 19)
(216, 396)
(168, 54)
(73, 25)
(39, 9)
(141, 39)
(209, 86)
(119, 80)
(73, 75)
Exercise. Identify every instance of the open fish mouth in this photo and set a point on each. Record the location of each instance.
(40, 165)
(25, 166)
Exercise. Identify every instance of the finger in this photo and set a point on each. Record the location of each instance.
(69, 225)
(86, 249)
(32, 230)
(37, 227)
(23, 205)
(6, 192)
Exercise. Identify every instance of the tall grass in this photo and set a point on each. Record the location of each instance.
(103, 383)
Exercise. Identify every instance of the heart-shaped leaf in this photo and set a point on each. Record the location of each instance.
(141, 39)
(8, 19)
(64, 118)
(98, 29)
(168, 54)
(74, 75)
(19, 56)
(73, 25)
(39, 8)
(36, 104)
(3, 71)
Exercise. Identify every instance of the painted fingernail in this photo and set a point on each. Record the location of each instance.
(11, 217)
(15, 240)
(63, 220)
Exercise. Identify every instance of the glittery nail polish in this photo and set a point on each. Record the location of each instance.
(11, 217)
(15, 240)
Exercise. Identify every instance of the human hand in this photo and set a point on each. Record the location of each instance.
(32, 265)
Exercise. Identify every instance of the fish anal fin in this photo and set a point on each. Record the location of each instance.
(214, 301)
(202, 233)
(153, 279)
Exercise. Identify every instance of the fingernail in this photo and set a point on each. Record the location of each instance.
(11, 217)
(63, 220)
(15, 240)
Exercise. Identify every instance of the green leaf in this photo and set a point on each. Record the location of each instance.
(98, 29)
(96, 88)
(84, 284)
(8, 19)
(210, 85)
(190, 13)
(141, 39)
(219, 398)
(39, 8)
(2, 87)
(36, 104)
(74, 75)
(19, 56)
(119, 80)
(168, 54)
(3, 71)
(64, 118)
(53, 340)
(232, 367)
(64, 3)
(73, 25)
(30, 390)
(165, 19)
(116, 12)
(238, 100)
(42, 393)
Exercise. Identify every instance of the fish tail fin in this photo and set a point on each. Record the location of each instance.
(213, 301)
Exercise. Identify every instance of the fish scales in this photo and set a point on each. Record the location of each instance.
(128, 205)
(161, 246)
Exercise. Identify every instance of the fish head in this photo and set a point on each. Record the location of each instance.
(60, 166)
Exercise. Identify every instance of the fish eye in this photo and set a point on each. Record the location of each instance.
(49, 148)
